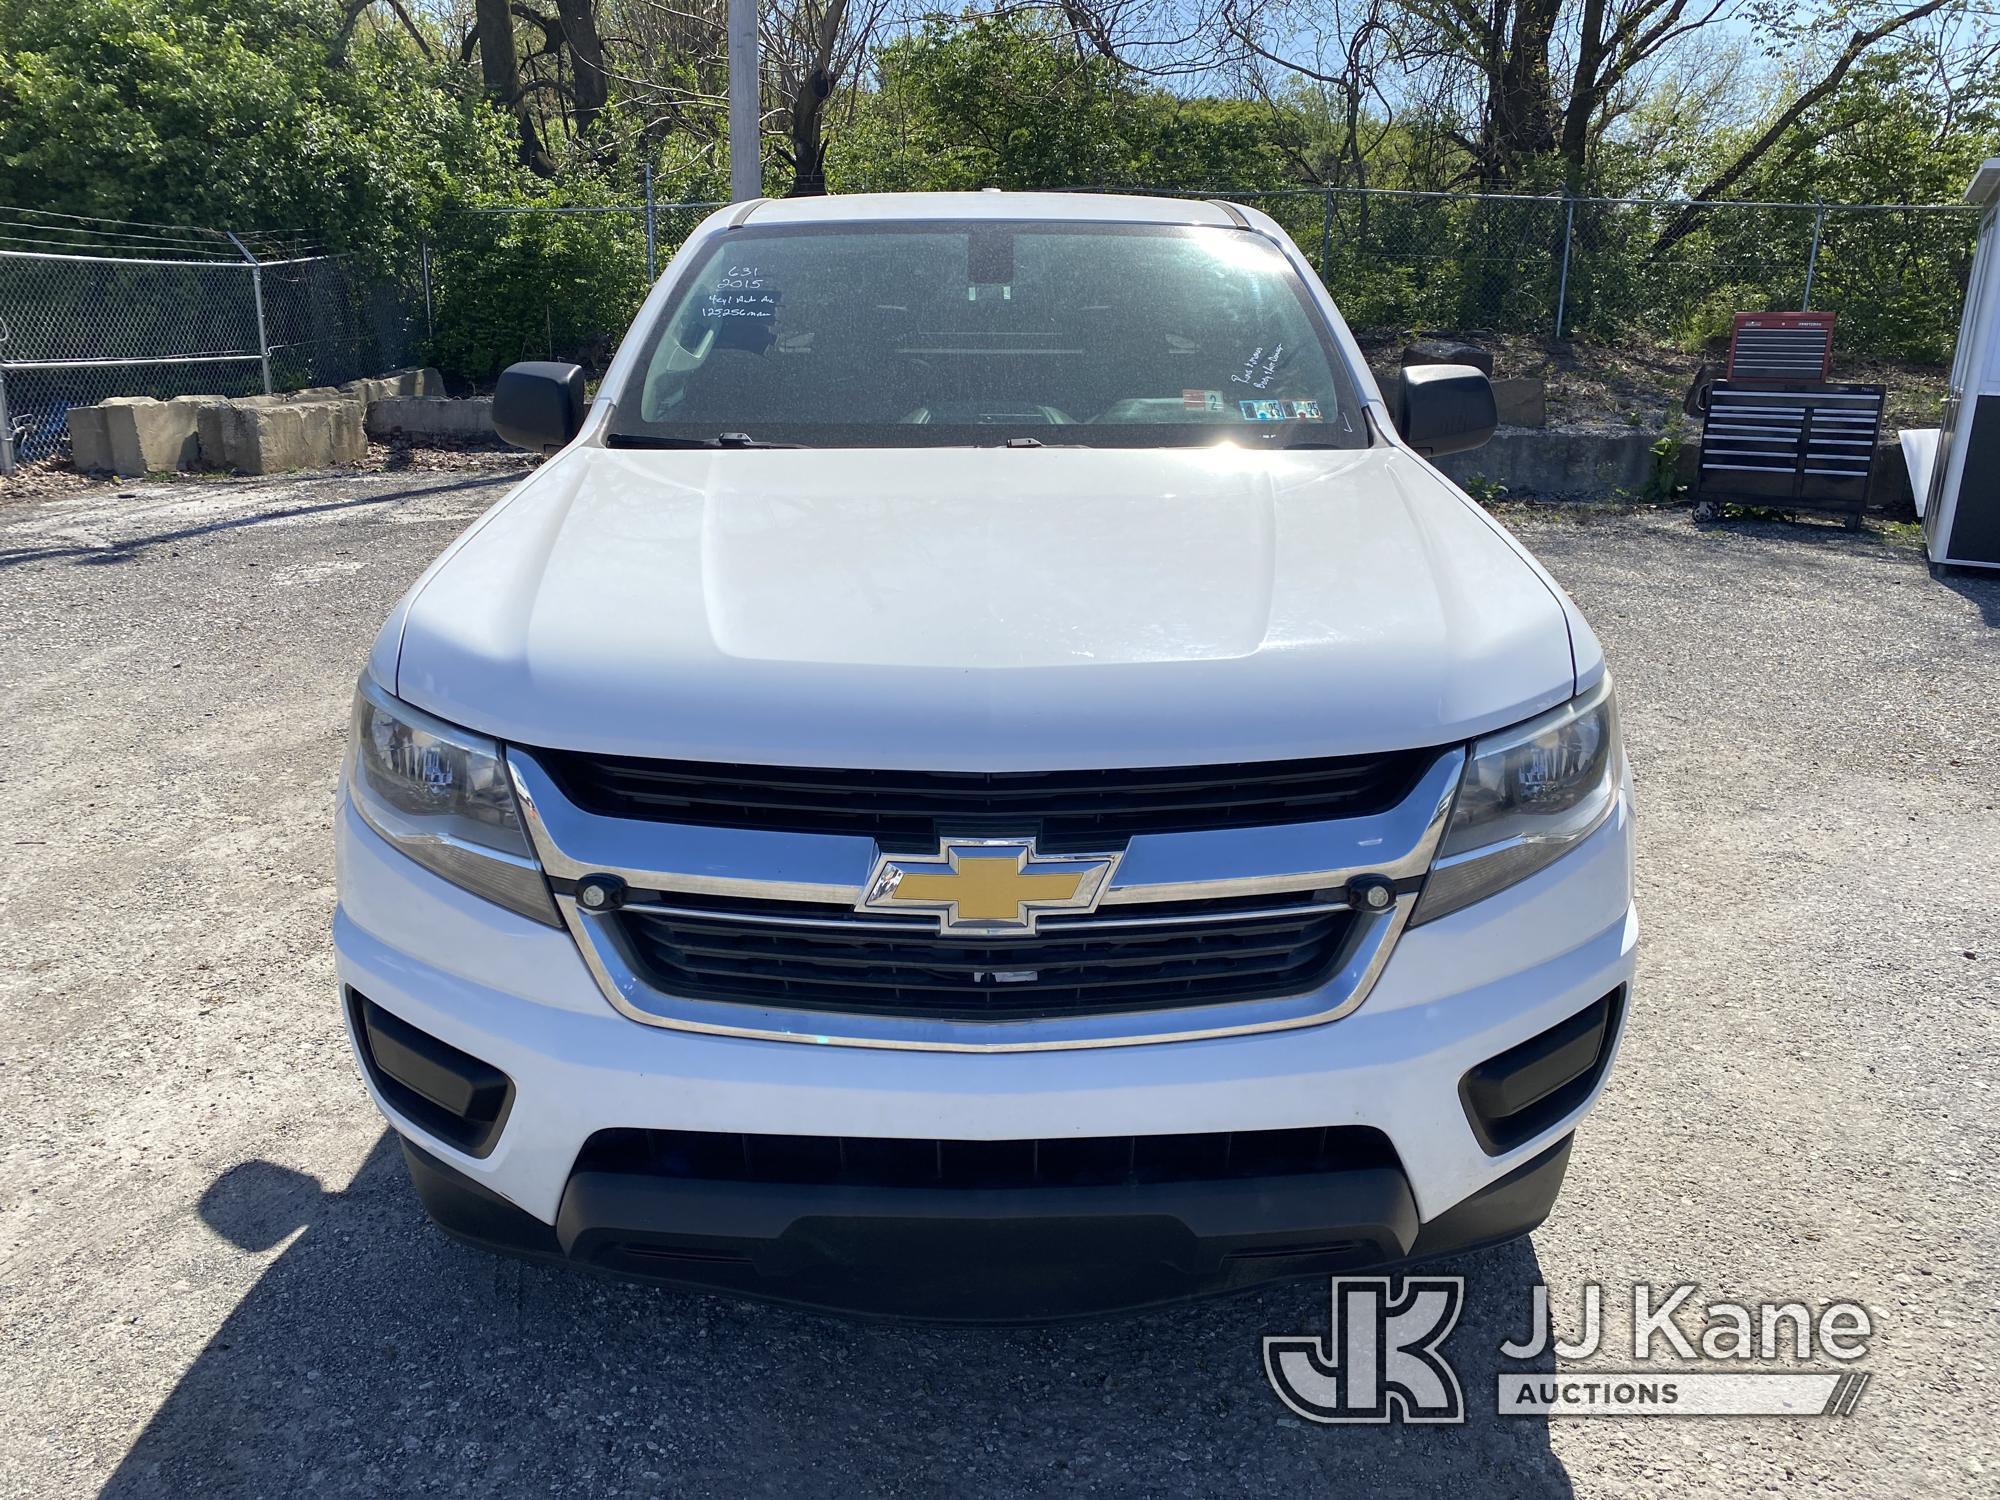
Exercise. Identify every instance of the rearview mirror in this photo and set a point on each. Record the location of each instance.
(1445, 408)
(538, 405)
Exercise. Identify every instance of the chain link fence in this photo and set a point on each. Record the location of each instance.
(563, 283)
(178, 312)
(196, 314)
(1615, 270)
(543, 283)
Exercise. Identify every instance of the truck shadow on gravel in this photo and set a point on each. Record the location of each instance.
(133, 549)
(376, 1356)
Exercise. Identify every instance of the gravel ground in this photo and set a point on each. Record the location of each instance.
(214, 1278)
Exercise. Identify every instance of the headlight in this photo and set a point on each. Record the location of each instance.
(443, 796)
(1528, 795)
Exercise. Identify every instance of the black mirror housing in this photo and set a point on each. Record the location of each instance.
(1444, 408)
(539, 405)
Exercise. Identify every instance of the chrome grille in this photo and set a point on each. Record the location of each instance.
(802, 956)
(753, 931)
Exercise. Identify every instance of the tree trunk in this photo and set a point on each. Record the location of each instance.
(586, 50)
(1521, 108)
(817, 77)
(808, 140)
(500, 71)
(1585, 95)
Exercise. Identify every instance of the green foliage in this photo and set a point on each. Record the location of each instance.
(260, 114)
(1889, 135)
(1007, 101)
(1894, 277)
(1663, 483)
(237, 113)
(535, 285)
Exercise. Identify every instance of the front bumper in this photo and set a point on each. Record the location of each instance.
(1456, 993)
(988, 1257)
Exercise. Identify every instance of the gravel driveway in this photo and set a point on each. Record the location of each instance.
(214, 1278)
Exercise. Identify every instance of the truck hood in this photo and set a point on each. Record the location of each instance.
(988, 609)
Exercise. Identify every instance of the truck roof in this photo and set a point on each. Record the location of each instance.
(1115, 208)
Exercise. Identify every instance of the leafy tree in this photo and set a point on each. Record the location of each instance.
(1008, 100)
(1893, 134)
(528, 285)
(239, 114)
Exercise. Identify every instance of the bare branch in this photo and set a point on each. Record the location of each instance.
(1684, 222)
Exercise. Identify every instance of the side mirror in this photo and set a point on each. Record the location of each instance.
(1444, 408)
(538, 405)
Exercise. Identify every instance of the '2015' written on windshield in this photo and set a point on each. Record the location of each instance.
(741, 292)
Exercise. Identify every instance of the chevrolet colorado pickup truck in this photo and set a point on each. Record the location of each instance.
(986, 778)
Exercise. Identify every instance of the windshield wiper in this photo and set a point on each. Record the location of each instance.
(720, 440)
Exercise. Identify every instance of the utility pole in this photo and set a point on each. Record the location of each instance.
(746, 171)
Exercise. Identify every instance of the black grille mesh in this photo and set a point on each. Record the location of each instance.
(1212, 953)
(1063, 808)
(727, 1156)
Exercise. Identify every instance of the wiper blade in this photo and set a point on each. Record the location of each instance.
(744, 440)
(720, 440)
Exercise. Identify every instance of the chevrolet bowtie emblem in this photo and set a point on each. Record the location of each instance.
(986, 887)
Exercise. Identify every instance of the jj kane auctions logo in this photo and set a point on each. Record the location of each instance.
(1383, 1358)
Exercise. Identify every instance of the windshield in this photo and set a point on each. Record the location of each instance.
(895, 335)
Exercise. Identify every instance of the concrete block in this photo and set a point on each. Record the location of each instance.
(229, 436)
(367, 391)
(1558, 465)
(422, 418)
(258, 435)
(405, 382)
(89, 443)
(1523, 401)
(134, 435)
(346, 428)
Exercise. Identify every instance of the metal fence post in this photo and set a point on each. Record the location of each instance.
(256, 292)
(652, 233)
(1562, 278)
(430, 330)
(1812, 255)
(1326, 235)
(6, 428)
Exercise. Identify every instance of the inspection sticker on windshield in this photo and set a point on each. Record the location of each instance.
(1208, 401)
(1279, 411)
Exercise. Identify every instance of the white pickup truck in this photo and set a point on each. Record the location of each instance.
(986, 778)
